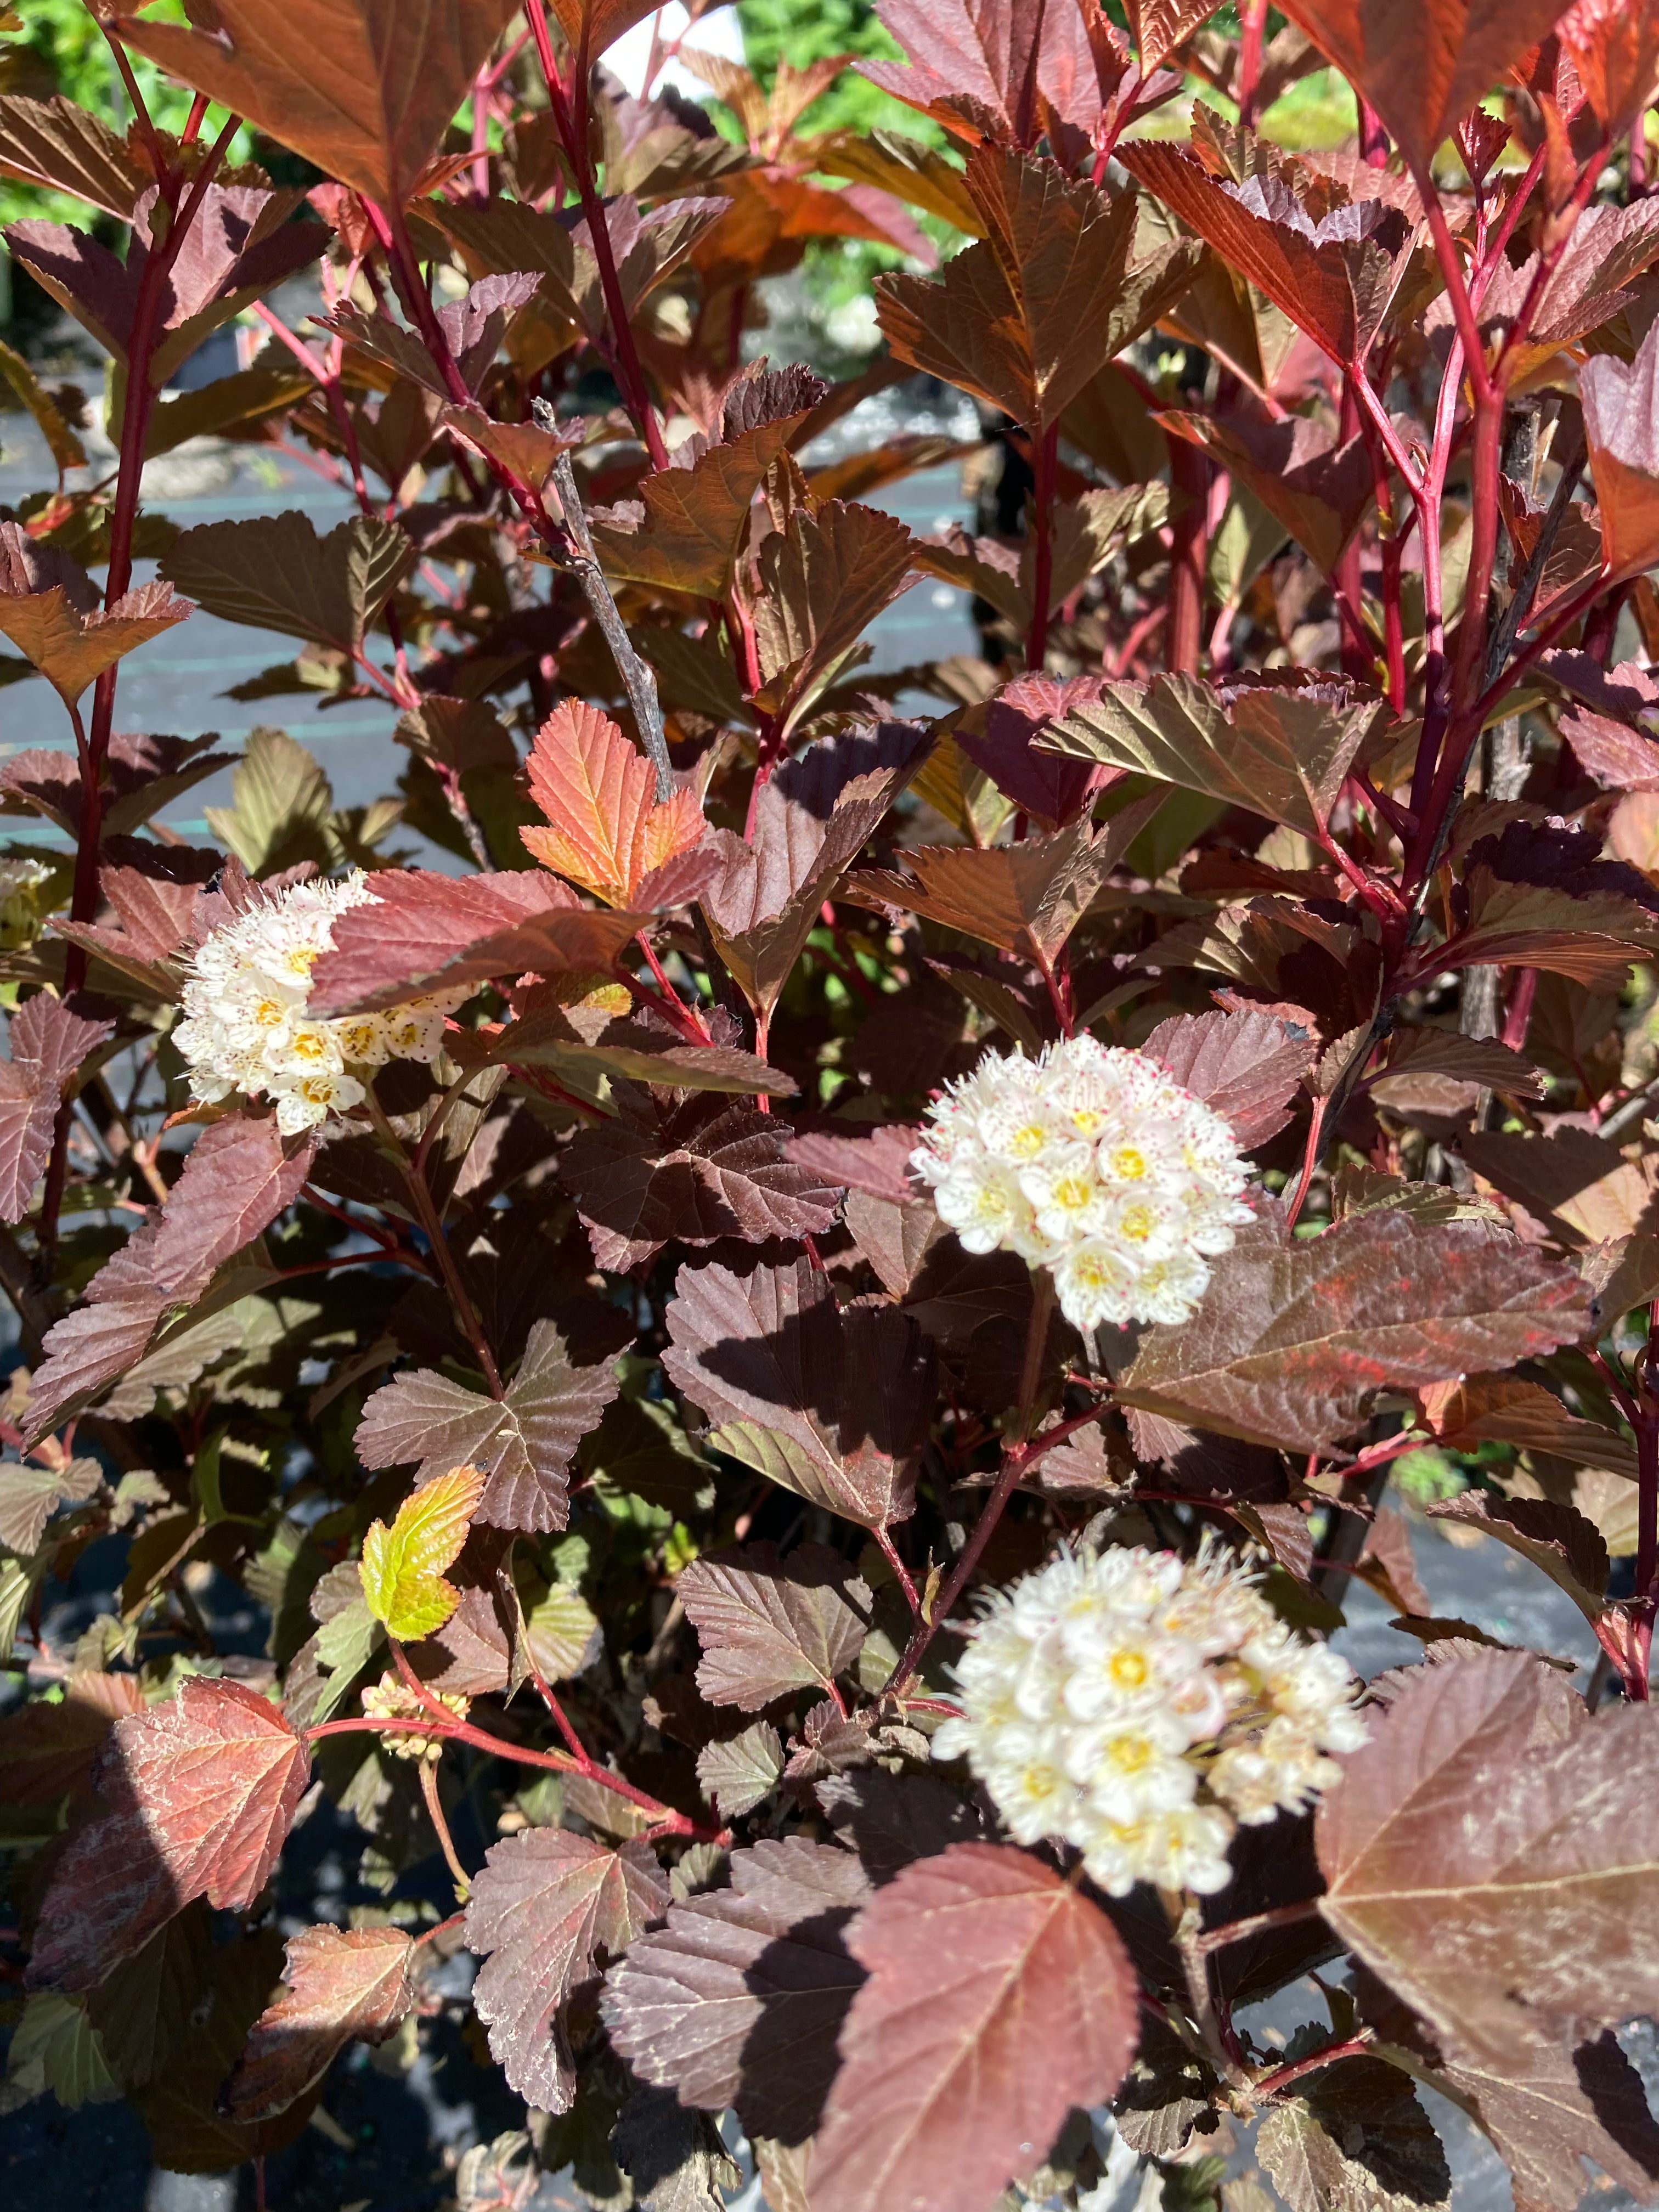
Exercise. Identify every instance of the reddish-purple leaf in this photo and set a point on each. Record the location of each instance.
(342, 1984)
(832, 1403)
(1488, 1853)
(1551, 2106)
(100, 1339)
(1621, 427)
(737, 1999)
(546, 1903)
(690, 1173)
(1556, 1539)
(1046, 784)
(867, 1156)
(202, 1792)
(769, 1626)
(48, 1044)
(240, 1175)
(999, 1998)
(1293, 1339)
(522, 1440)
(1246, 1067)
(423, 931)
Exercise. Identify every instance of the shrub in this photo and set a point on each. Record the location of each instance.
(817, 1315)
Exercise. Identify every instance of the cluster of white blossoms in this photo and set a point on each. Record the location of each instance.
(1091, 1162)
(1137, 1705)
(246, 1028)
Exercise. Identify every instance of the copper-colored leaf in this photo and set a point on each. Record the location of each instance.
(276, 573)
(769, 1626)
(1556, 1539)
(1033, 894)
(365, 89)
(999, 1998)
(1274, 750)
(832, 1403)
(60, 147)
(342, 1984)
(1488, 1855)
(1293, 1338)
(545, 1904)
(53, 615)
(1159, 26)
(1615, 45)
(690, 519)
(422, 931)
(690, 1173)
(201, 1791)
(1423, 63)
(736, 2000)
(824, 579)
(522, 1440)
(607, 828)
(1506, 1410)
(1621, 427)
(1025, 316)
(1318, 490)
(1246, 1067)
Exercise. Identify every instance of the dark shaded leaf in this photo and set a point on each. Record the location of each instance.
(1557, 1538)
(546, 1903)
(342, 1984)
(1354, 2135)
(832, 1403)
(736, 2000)
(275, 572)
(691, 1173)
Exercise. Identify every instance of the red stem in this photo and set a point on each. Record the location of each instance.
(1189, 476)
(1042, 524)
(1250, 61)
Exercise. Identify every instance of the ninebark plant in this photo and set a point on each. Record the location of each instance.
(601, 1413)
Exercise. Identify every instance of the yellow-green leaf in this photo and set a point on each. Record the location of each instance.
(403, 1566)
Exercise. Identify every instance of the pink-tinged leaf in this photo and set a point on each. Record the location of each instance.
(737, 1999)
(1293, 1339)
(239, 1177)
(1620, 759)
(48, 1044)
(545, 1904)
(607, 832)
(690, 1173)
(202, 1792)
(426, 931)
(999, 1998)
(1621, 427)
(1245, 1067)
(832, 1403)
(522, 1440)
(100, 1339)
(769, 1626)
(1488, 1853)
(871, 1156)
(342, 1984)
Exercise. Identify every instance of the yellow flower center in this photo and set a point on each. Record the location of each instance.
(1137, 1223)
(1128, 1163)
(1025, 1144)
(1072, 1192)
(1129, 1669)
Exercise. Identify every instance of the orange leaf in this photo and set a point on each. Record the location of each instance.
(597, 789)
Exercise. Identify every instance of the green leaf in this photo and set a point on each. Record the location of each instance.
(403, 1566)
(281, 803)
(55, 2046)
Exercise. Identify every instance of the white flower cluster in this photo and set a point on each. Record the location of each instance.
(1094, 1163)
(245, 1028)
(1135, 1704)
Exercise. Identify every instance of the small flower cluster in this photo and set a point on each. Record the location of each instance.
(389, 1699)
(246, 1026)
(1135, 1704)
(1093, 1163)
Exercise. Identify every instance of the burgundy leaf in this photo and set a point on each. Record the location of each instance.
(999, 1998)
(1549, 2107)
(239, 1177)
(1488, 1855)
(201, 1791)
(342, 1984)
(738, 1998)
(1247, 1067)
(688, 1173)
(1293, 1339)
(769, 1626)
(546, 1903)
(426, 930)
(1054, 789)
(48, 1750)
(89, 1347)
(524, 1441)
(48, 1044)
(832, 1403)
